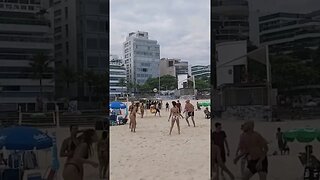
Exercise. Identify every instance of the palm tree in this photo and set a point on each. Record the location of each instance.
(40, 65)
(90, 78)
(66, 75)
(122, 83)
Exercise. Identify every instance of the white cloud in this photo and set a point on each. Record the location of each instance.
(181, 27)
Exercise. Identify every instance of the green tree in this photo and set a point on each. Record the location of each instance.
(40, 66)
(202, 83)
(66, 76)
(91, 79)
(122, 83)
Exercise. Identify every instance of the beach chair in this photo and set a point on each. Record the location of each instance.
(113, 120)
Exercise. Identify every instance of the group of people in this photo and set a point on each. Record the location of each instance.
(175, 114)
(252, 150)
(78, 149)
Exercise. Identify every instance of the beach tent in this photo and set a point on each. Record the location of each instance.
(117, 105)
(304, 135)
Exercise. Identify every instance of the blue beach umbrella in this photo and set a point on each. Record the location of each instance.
(24, 138)
(117, 105)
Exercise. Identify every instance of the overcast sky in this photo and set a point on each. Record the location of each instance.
(182, 28)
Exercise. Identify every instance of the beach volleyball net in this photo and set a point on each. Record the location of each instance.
(37, 119)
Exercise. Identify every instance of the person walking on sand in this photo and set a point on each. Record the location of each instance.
(220, 139)
(256, 148)
(189, 108)
(179, 106)
(142, 110)
(133, 117)
(217, 163)
(130, 110)
(167, 106)
(240, 150)
(175, 116)
(157, 111)
(69, 144)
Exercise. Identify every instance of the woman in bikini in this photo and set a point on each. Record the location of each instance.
(175, 114)
(142, 110)
(103, 154)
(73, 169)
(133, 117)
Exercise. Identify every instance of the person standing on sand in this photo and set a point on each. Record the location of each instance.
(167, 106)
(142, 110)
(179, 106)
(189, 108)
(130, 110)
(219, 138)
(256, 148)
(73, 169)
(69, 144)
(217, 163)
(175, 114)
(133, 117)
(103, 155)
(240, 150)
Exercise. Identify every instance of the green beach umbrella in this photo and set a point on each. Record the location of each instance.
(205, 104)
(304, 135)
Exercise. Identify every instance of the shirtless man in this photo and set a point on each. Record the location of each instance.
(239, 150)
(175, 114)
(179, 106)
(217, 163)
(189, 108)
(130, 110)
(256, 148)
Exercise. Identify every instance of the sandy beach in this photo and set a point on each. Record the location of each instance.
(151, 154)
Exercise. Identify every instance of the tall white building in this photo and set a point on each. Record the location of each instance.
(141, 56)
(24, 33)
(117, 77)
(81, 39)
(285, 32)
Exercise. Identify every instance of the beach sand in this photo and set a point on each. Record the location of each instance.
(151, 154)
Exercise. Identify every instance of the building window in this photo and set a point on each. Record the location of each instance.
(92, 43)
(67, 47)
(23, 7)
(12, 1)
(103, 7)
(34, 1)
(57, 29)
(67, 30)
(103, 27)
(66, 12)
(57, 12)
(170, 63)
(92, 61)
(104, 43)
(58, 46)
(24, 1)
(92, 25)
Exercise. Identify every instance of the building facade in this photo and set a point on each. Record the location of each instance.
(173, 67)
(141, 56)
(24, 33)
(230, 20)
(117, 77)
(285, 32)
(80, 39)
(199, 71)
